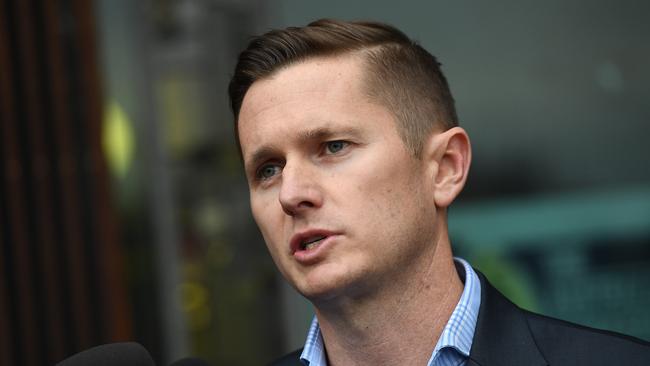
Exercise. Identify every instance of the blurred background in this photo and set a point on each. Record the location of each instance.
(124, 212)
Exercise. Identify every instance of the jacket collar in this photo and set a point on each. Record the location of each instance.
(502, 336)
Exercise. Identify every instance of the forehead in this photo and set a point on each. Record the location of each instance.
(325, 77)
(314, 93)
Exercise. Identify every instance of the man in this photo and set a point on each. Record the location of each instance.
(353, 153)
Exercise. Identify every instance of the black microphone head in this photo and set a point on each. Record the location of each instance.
(112, 354)
(190, 361)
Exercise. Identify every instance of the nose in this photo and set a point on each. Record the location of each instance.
(300, 190)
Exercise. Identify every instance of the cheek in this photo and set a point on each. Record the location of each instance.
(398, 197)
(262, 202)
(266, 219)
(375, 201)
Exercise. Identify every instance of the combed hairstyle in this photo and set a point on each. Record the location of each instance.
(399, 73)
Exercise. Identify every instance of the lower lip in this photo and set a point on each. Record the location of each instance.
(316, 254)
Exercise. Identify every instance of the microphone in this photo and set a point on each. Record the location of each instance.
(190, 361)
(112, 354)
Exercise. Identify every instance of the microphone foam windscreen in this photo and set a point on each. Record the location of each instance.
(190, 361)
(113, 354)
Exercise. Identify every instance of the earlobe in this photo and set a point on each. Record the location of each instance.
(452, 155)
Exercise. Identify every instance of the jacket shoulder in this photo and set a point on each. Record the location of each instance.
(563, 343)
(508, 335)
(290, 359)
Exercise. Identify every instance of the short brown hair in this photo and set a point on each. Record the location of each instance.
(401, 74)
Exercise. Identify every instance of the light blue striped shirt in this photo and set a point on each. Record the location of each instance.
(454, 343)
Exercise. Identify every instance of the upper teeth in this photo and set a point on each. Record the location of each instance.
(309, 241)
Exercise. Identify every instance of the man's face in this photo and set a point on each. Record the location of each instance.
(342, 205)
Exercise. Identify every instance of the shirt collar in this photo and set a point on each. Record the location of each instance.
(313, 354)
(459, 330)
(457, 334)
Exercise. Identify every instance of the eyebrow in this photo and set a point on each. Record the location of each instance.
(260, 155)
(318, 133)
(326, 132)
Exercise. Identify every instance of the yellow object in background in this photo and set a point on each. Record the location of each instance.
(117, 140)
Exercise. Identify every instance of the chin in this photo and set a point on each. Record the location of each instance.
(316, 289)
(323, 286)
(319, 292)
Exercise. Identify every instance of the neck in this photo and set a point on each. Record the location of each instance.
(401, 323)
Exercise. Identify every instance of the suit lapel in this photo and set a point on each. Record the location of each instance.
(291, 359)
(502, 336)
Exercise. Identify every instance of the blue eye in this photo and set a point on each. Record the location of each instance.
(335, 146)
(268, 171)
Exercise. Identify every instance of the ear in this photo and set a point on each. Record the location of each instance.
(450, 155)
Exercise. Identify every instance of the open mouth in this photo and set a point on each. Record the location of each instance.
(312, 242)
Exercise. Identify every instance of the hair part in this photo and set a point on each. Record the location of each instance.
(400, 74)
